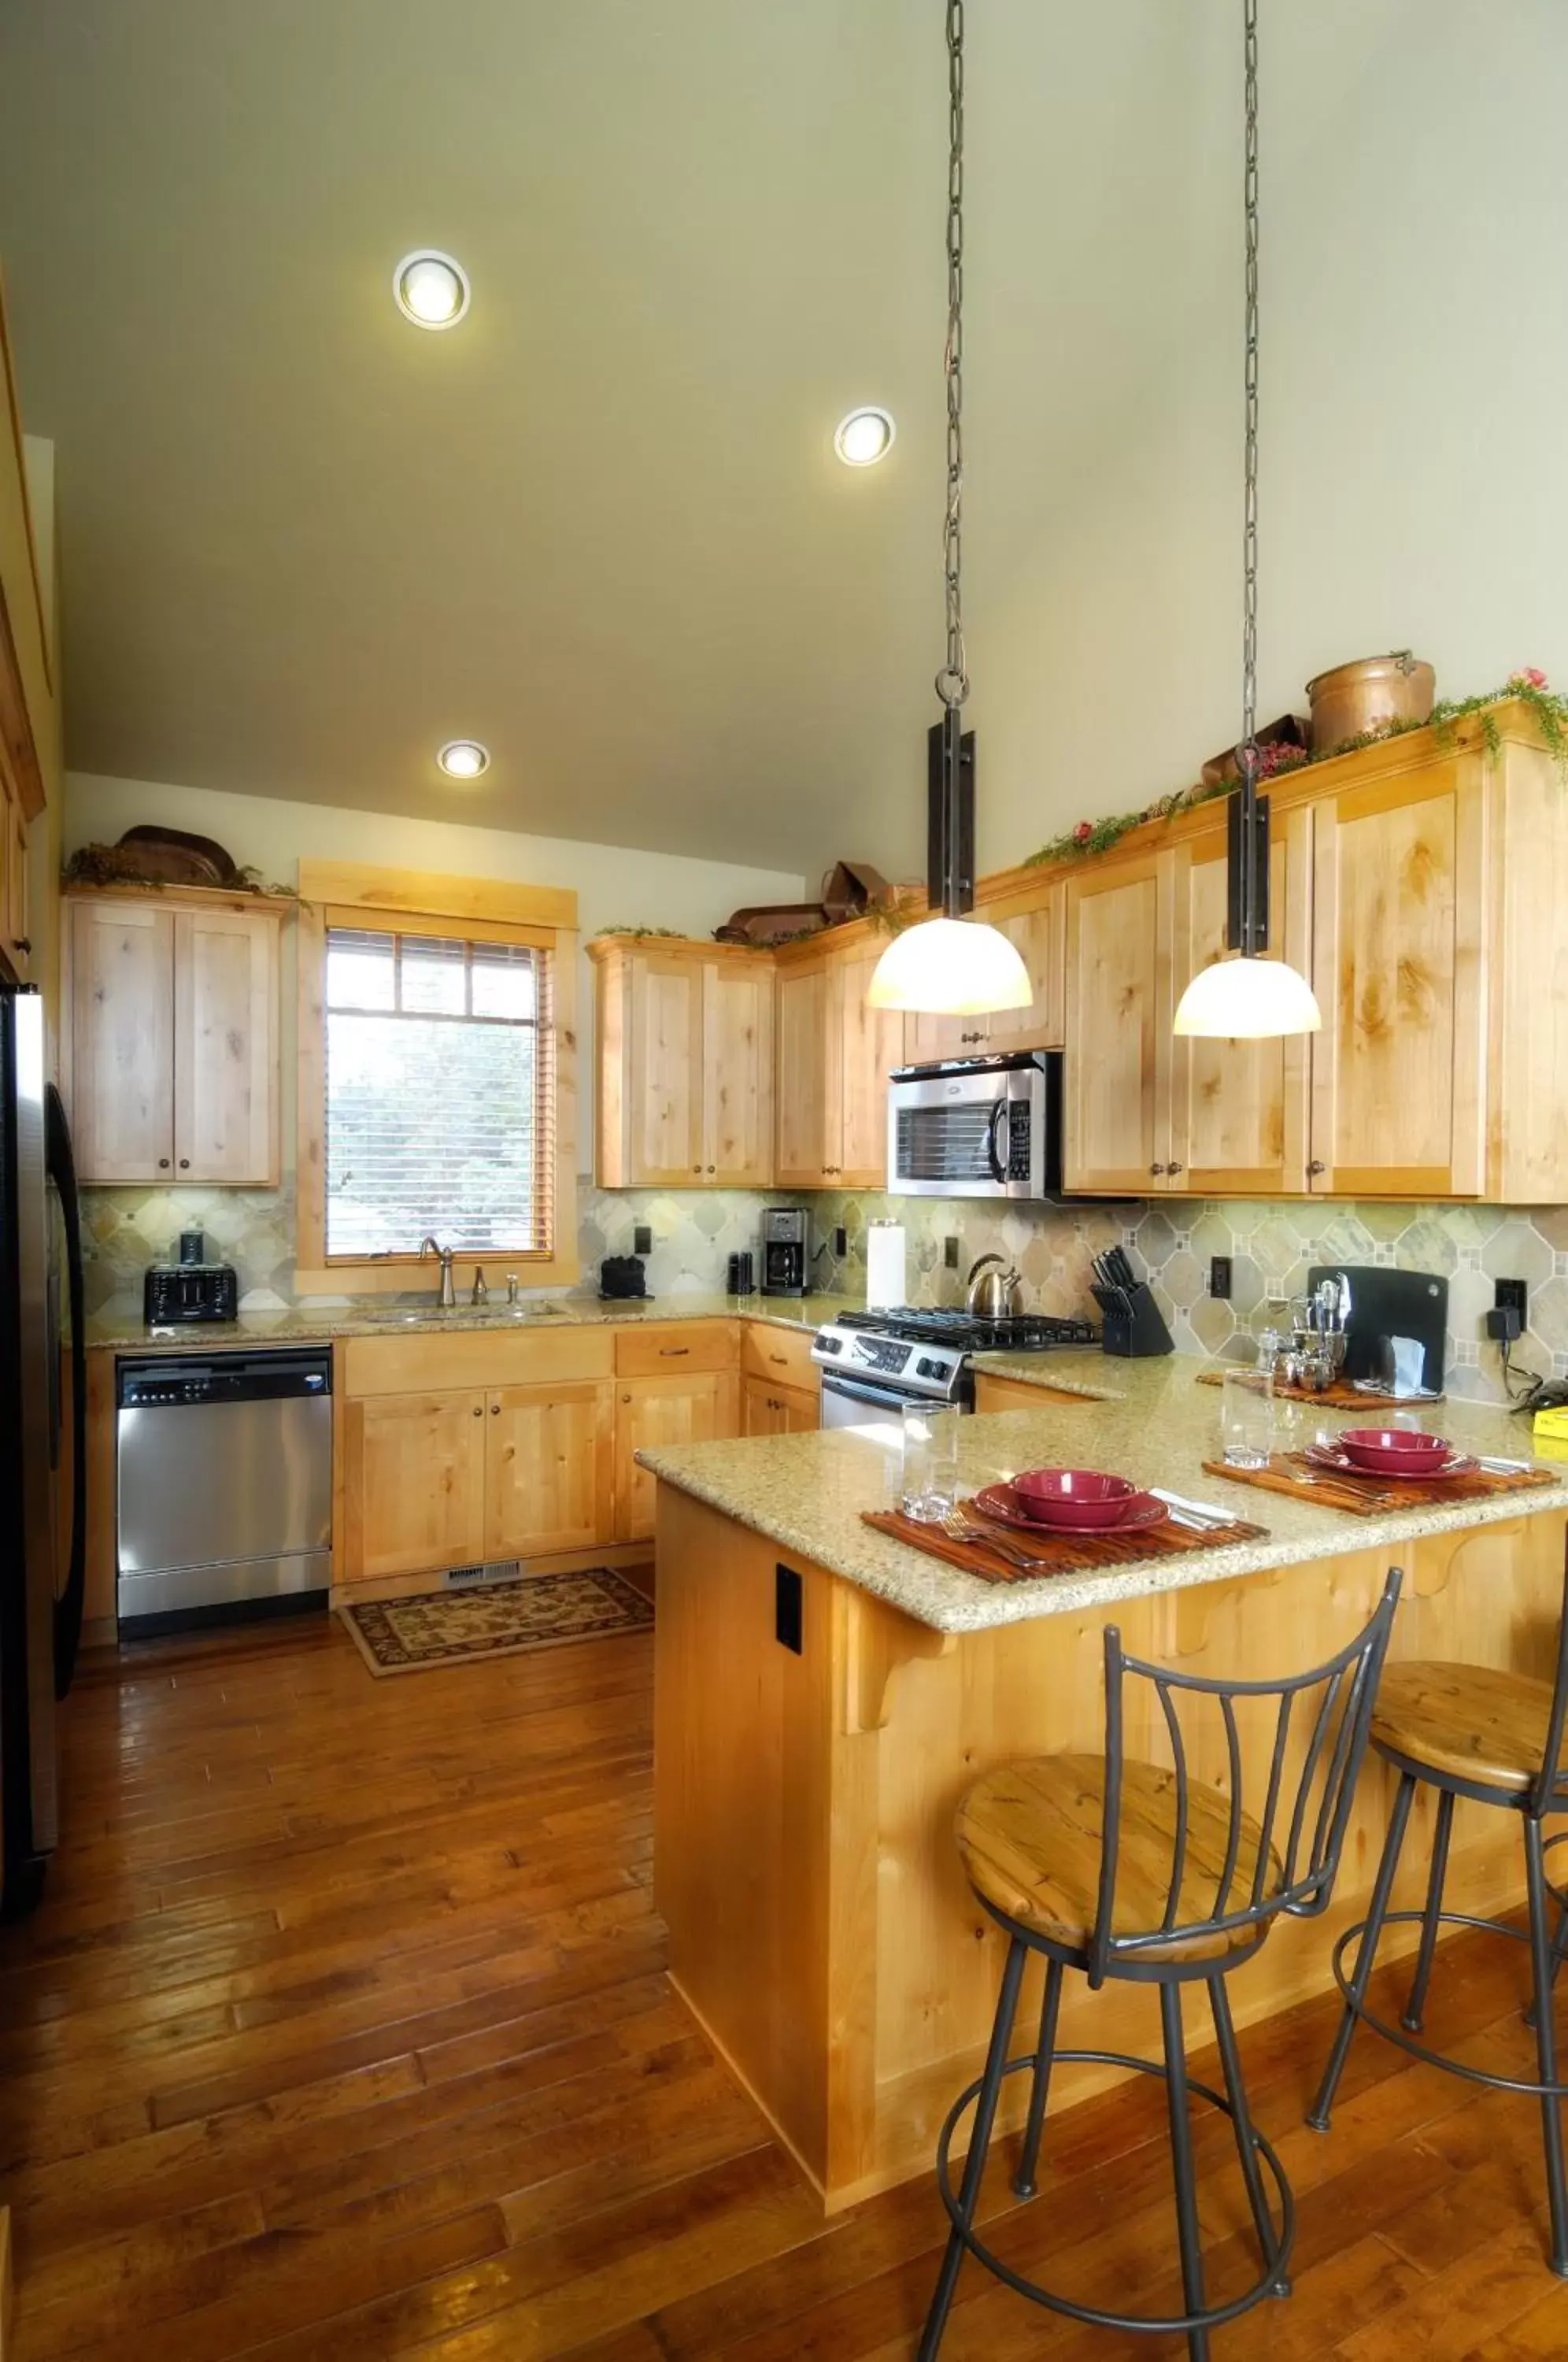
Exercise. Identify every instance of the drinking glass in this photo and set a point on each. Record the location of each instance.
(931, 1462)
(1246, 1418)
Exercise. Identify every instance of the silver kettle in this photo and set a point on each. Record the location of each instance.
(993, 1295)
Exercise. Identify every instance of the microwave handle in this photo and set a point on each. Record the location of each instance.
(1002, 1118)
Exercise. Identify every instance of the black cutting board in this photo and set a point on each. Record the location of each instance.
(1388, 1303)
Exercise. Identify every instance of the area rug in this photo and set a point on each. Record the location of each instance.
(493, 1620)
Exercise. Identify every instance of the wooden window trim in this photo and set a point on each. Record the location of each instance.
(344, 895)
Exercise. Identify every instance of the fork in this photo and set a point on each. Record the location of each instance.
(959, 1529)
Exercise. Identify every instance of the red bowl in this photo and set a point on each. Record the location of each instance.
(1408, 1449)
(1077, 1497)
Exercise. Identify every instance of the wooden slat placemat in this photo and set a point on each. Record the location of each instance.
(1365, 1496)
(1340, 1395)
(1057, 1553)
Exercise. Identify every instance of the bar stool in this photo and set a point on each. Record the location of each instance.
(1131, 1871)
(1468, 1731)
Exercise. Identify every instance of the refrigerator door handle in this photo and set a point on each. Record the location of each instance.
(62, 1168)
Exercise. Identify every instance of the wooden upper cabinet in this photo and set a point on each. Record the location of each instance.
(1528, 968)
(871, 1044)
(549, 1468)
(1119, 1009)
(14, 944)
(121, 1040)
(226, 1050)
(800, 1151)
(1400, 896)
(1237, 1117)
(737, 1074)
(684, 1084)
(413, 1483)
(1040, 932)
(173, 1035)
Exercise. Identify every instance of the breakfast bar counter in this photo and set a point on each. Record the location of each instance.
(824, 1694)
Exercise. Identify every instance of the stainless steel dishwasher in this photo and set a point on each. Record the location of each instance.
(224, 1485)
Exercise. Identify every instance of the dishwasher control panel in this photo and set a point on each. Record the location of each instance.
(172, 1381)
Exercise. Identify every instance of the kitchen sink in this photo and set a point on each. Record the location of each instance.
(461, 1316)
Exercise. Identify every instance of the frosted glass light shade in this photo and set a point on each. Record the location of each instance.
(951, 967)
(1248, 999)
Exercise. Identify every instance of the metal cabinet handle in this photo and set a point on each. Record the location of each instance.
(184, 1165)
(163, 1165)
(1317, 1165)
(625, 1398)
(709, 1168)
(673, 1352)
(24, 944)
(495, 1411)
(696, 1168)
(1175, 1168)
(479, 1410)
(1156, 1168)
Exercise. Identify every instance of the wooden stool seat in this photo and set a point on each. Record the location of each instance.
(1464, 1722)
(1031, 1837)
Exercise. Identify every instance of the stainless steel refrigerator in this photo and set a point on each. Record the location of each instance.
(42, 1539)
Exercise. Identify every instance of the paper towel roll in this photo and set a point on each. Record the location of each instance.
(885, 1266)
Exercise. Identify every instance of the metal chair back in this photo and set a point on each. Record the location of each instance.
(1303, 1812)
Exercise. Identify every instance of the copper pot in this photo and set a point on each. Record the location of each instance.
(1358, 697)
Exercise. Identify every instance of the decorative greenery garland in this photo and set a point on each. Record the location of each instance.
(1526, 687)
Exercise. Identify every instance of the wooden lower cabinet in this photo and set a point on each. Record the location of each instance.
(548, 1468)
(769, 1408)
(689, 1406)
(413, 1483)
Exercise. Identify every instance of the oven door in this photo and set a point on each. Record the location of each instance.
(861, 1403)
(978, 1133)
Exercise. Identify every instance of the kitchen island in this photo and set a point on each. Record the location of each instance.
(824, 1694)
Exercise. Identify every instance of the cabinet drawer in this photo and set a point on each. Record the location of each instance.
(671, 1346)
(1020, 1393)
(474, 1357)
(783, 1354)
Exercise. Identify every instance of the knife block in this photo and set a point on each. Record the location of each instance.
(1135, 1327)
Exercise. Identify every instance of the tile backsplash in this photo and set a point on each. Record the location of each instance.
(1271, 1244)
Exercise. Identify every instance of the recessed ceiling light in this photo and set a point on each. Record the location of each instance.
(865, 436)
(463, 759)
(432, 289)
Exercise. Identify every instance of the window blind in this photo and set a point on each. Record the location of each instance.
(441, 1094)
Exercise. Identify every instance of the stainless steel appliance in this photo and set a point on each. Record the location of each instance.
(41, 1573)
(784, 1238)
(224, 1485)
(874, 1364)
(977, 1127)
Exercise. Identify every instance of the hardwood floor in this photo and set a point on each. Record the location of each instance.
(342, 2034)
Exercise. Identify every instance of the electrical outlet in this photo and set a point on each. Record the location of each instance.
(1219, 1277)
(840, 1240)
(1513, 1296)
(950, 1255)
(642, 1239)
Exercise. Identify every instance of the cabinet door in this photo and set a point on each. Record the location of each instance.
(929, 1039)
(800, 1045)
(122, 1041)
(412, 1484)
(225, 1046)
(871, 1045)
(14, 940)
(1399, 901)
(1119, 1028)
(800, 1411)
(1039, 934)
(736, 1070)
(666, 1083)
(1239, 1109)
(654, 1411)
(761, 1407)
(548, 1468)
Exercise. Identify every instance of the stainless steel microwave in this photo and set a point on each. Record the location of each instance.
(977, 1128)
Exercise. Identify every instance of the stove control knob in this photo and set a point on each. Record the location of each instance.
(926, 1368)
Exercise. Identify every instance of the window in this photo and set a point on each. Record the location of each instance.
(440, 1093)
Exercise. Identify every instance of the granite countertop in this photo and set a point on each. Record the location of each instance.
(1150, 1421)
(121, 1328)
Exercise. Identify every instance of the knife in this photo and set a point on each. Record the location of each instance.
(1196, 1513)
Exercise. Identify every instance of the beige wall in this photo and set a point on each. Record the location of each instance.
(613, 888)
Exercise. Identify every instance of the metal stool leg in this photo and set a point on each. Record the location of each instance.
(1415, 2007)
(1317, 2116)
(1559, 1947)
(1023, 2182)
(1241, 2117)
(975, 2163)
(1181, 2160)
(1541, 1961)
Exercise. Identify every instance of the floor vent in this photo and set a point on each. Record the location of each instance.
(499, 1570)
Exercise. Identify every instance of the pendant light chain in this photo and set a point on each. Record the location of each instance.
(1249, 747)
(952, 681)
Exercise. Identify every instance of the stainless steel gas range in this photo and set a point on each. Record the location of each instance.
(876, 1363)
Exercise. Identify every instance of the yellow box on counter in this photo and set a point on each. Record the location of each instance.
(1552, 1434)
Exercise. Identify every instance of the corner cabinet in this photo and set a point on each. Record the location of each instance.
(835, 1053)
(684, 1096)
(173, 1038)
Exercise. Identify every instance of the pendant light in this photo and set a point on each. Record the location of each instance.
(954, 965)
(1249, 997)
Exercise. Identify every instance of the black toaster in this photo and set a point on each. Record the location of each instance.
(179, 1292)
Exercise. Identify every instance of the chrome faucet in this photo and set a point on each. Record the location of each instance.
(511, 1288)
(448, 1295)
(481, 1293)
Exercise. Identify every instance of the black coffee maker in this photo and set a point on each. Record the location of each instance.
(784, 1250)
